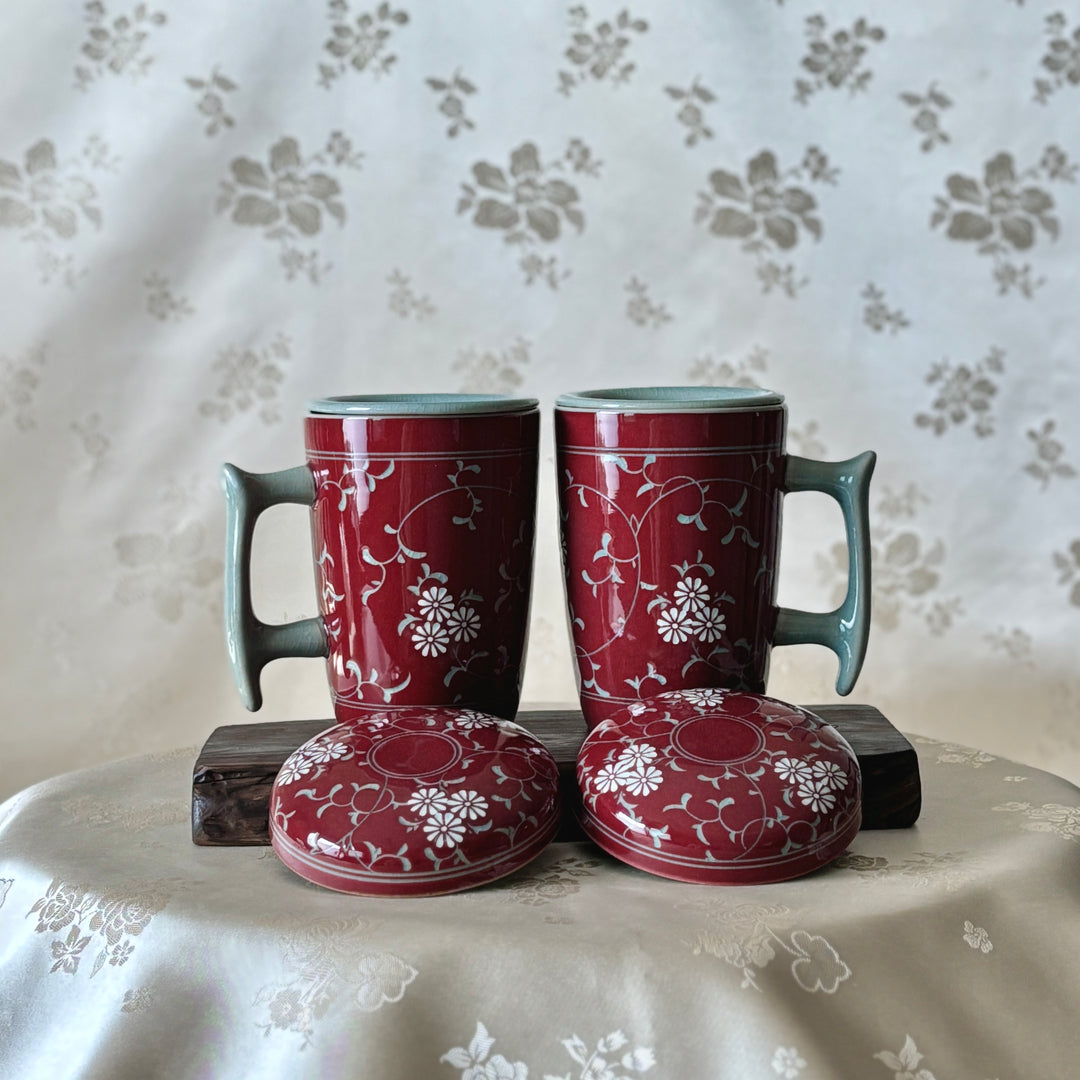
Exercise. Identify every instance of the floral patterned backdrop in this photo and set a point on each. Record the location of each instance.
(210, 214)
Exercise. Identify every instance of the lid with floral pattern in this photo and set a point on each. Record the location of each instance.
(719, 787)
(414, 802)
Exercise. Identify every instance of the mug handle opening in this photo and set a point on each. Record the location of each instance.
(847, 629)
(253, 644)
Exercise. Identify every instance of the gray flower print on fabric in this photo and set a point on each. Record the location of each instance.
(138, 1000)
(1004, 213)
(452, 93)
(162, 303)
(1049, 455)
(95, 443)
(613, 1059)
(289, 198)
(106, 923)
(768, 211)
(45, 199)
(642, 311)
(212, 102)
(599, 54)
(327, 962)
(878, 315)
(405, 302)
(1056, 818)
(580, 158)
(927, 119)
(540, 886)
(963, 393)
(907, 566)
(116, 46)
(750, 936)
(493, 372)
(167, 570)
(691, 114)
(1068, 566)
(1015, 644)
(836, 60)
(361, 43)
(744, 371)
(1061, 61)
(19, 383)
(806, 440)
(250, 381)
(905, 1065)
(529, 202)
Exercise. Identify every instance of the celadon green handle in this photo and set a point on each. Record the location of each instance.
(846, 629)
(253, 644)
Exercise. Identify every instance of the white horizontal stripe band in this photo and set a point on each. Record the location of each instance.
(658, 854)
(665, 451)
(419, 455)
(338, 868)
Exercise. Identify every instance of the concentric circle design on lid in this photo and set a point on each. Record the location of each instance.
(719, 787)
(415, 802)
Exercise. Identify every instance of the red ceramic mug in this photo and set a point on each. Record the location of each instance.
(670, 506)
(422, 515)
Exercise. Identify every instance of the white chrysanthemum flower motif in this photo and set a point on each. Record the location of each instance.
(636, 756)
(692, 594)
(444, 829)
(470, 805)
(428, 800)
(436, 603)
(463, 624)
(671, 624)
(295, 766)
(793, 769)
(644, 780)
(708, 695)
(708, 624)
(430, 639)
(467, 719)
(817, 796)
(324, 753)
(609, 778)
(829, 775)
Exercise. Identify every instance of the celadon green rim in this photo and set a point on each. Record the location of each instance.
(420, 405)
(670, 399)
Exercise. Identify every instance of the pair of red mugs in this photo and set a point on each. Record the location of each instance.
(423, 512)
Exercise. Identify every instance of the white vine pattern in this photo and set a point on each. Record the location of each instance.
(692, 612)
(632, 766)
(434, 817)
(439, 625)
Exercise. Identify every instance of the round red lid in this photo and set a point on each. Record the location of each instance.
(719, 787)
(414, 802)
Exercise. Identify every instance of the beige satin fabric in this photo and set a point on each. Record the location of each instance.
(951, 948)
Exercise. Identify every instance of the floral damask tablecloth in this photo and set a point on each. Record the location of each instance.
(950, 951)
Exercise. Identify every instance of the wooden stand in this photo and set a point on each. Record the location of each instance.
(235, 770)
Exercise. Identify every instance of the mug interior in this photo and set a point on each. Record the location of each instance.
(420, 405)
(669, 399)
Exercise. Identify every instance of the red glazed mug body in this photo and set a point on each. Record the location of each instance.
(670, 508)
(423, 518)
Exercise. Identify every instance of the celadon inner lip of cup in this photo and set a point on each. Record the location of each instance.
(670, 399)
(420, 405)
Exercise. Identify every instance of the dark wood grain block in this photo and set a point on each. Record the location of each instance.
(235, 770)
